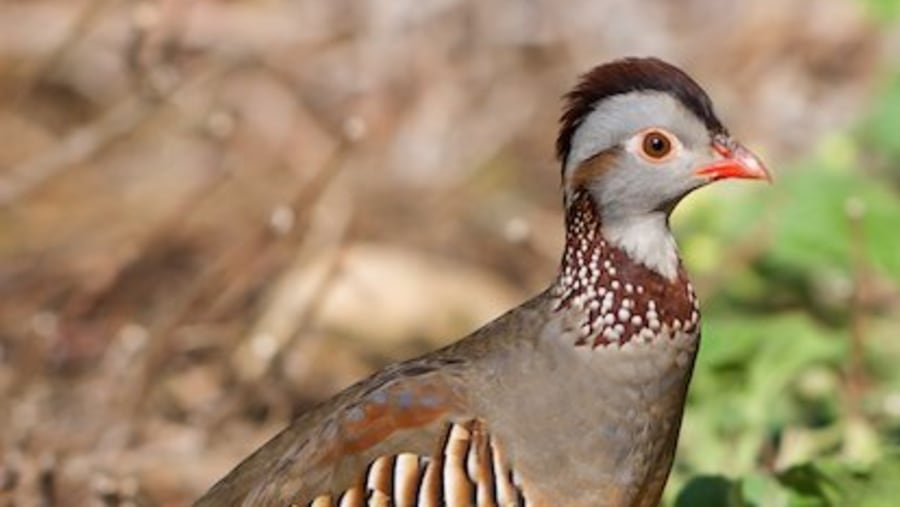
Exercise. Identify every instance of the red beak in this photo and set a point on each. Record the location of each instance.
(736, 162)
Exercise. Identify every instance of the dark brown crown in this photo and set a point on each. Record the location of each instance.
(628, 75)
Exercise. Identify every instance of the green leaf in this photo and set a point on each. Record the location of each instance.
(710, 490)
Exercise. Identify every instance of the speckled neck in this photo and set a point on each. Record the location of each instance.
(621, 300)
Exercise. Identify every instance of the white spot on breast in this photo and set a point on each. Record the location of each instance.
(610, 334)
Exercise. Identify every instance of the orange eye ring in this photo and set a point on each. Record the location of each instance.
(656, 145)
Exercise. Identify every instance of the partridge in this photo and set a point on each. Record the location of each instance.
(574, 398)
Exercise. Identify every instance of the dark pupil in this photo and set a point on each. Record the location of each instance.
(657, 144)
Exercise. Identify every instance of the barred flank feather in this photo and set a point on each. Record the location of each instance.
(467, 469)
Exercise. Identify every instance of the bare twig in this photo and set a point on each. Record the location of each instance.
(74, 149)
(87, 16)
(855, 368)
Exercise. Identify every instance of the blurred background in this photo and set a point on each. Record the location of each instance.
(215, 213)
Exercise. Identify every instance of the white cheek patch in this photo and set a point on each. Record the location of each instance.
(647, 240)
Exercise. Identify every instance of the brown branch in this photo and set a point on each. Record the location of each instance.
(44, 66)
(855, 374)
(74, 149)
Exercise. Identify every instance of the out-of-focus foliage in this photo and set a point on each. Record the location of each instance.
(878, 140)
(824, 483)
(885, 11)
(795, 398)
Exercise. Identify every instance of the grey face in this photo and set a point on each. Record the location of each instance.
(637, 183)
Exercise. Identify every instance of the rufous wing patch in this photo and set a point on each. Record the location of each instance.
(393, 408)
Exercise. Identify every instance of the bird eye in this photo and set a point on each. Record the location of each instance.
(656, 145)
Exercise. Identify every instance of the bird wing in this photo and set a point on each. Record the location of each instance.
(403, 437)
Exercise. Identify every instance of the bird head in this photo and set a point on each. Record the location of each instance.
(639, 134)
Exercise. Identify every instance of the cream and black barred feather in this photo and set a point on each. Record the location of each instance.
(466, 470)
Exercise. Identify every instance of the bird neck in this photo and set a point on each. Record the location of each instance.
(610, 274)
